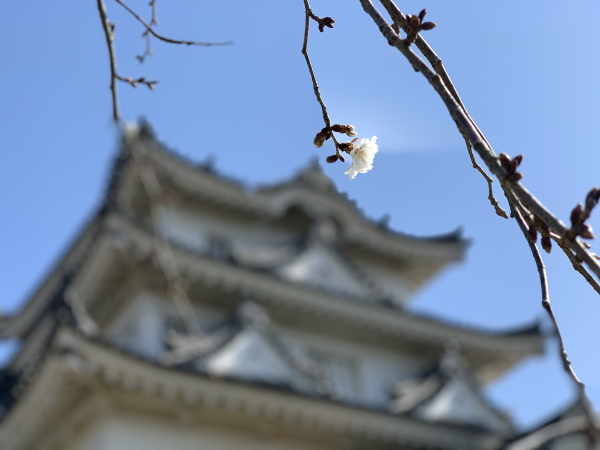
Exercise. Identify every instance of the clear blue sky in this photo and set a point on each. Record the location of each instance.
(526, 70)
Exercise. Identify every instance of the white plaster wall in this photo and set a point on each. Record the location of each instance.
(194, 228)
(140, 328)
(376, 370)
(457, 403)
(570, 442)
(391, 280)
(362, 374)
(130, 432)
(320, 267)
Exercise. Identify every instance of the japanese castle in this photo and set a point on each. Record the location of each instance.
(195, 313)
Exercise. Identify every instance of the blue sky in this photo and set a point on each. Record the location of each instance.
(526, 71)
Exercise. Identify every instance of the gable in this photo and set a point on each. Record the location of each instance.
(321, 267)
(250, 356)
(458, 402)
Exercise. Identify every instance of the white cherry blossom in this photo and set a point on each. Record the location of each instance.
(362, 156)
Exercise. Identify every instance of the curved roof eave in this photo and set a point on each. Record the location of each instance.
(315, 193)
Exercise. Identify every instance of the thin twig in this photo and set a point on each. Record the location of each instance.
(108, 33)
(135, 83)
(166, 39)
(499, 210)
(567, 366)
(311, 15)
(479, 143)
(579, 267)
(146, 34)
(154, 20)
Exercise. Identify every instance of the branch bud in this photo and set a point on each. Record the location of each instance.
(592, 199)
(422, 14)
(321, 137)
(546, 244)
(428, 26)
(576, 215)
(326, 22)
(346, 147)
(516, 176)
(532, 234)
(516, 162)
(505, 161)
(585, 231)
(346, 129)
(414, 22)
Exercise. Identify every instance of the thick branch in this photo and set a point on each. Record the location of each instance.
(166, 39)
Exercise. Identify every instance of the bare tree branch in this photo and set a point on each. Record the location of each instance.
(176, 283)
(465, 125)
(504, 169)
(436, 62)
(567, 366)
(166, 39)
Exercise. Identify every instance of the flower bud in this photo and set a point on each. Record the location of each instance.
(328, 21)
(319, 140)
(349, 131)
(546, 244)
(576, 215)
(592, 199)
(516, 161)
(515, 176)
(346, 147)
(585, 231)
(414, 22)
(338, 128)
(532, 234)
(422, 14)
(332, 158)
(505, 161)
(321, 137)
(428, 26)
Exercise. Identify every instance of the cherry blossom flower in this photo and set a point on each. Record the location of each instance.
(362, 156)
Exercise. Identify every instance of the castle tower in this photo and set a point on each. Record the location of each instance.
(195, 313)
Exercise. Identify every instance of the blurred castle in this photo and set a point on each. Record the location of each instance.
(297, 336)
